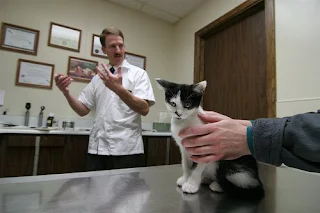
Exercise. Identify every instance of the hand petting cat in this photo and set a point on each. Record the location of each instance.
(221, 138)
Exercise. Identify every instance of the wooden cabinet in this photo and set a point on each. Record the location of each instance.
(174, 154)
(51, 159)
(22, 155)
(161, 151)
(156, 149)
(17, 155)
(62, 154)
(75, 153)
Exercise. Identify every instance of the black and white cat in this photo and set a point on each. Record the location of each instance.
(238, 178)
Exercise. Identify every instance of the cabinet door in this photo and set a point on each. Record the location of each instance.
(175, 155)
(17, 155)
(51, 155)
(76, 153)
(156, 151)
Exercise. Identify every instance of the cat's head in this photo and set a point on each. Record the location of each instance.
(182, 100)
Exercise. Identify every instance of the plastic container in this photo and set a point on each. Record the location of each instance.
(50, 119)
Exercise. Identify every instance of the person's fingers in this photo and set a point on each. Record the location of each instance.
(61, 80)
(56, 77)
(106, 70)
(196, 141)
(201, 150)
(65, 83)
(103, 76)
(212, 117)
(196, 130)
(119, 72)
(205, 158)
(98, 69)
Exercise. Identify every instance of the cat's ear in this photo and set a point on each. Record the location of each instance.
(200, 87)
(163, 84)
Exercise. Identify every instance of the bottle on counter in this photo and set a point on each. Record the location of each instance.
(50, 119)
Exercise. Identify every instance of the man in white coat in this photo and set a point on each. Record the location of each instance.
(119, 94)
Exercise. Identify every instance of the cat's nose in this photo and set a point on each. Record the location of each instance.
(178, 114)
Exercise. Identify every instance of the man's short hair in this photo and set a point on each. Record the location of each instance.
(110, 31)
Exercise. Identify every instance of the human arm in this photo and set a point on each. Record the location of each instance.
(136, 99)
(294, 141)
(136, 104)
(63, 83)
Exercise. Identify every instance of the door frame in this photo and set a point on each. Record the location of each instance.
(239, 13)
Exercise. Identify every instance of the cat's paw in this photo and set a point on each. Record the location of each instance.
(181, 180)
(188, 187)
(215, 187)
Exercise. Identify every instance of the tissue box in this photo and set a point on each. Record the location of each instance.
(161, 127)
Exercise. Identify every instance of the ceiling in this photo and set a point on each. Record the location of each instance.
(169, 10)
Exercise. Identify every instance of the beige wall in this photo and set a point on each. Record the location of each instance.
(143, 35)
(298, 56)
(297, 50)
(169, 48)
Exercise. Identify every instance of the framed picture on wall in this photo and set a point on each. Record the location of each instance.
(136, 60)
(64, 37)
(19, 39)
(96, 47)
(81, 69)
(34, 74)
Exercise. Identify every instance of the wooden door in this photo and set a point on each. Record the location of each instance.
(234, 55)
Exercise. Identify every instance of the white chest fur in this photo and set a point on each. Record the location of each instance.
(179, 124)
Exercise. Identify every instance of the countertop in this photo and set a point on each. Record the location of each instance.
(153, 190)
(77, 131)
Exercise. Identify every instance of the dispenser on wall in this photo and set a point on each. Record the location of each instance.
(26, 119)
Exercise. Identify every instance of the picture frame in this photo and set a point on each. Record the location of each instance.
(34, 74)
(81, 69)
(96, 47)
(64, 37)
(136, 60)
(19, 39)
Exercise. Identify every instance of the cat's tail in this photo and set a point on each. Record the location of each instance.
(241, 185)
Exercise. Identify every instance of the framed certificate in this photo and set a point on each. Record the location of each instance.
(19, 39)
(136, 60)
(34, 74)
(96, 47)
(64, 37)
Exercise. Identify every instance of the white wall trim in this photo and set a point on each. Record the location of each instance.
(299, 99)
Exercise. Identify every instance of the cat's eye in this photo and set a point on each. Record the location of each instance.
(172, 103)
(187, 105)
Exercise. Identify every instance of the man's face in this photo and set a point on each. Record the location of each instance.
(114, 49)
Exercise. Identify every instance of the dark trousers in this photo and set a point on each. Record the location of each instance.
(107, 162)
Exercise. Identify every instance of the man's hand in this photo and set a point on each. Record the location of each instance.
(112, 81)
(220, 139)
(63, 82)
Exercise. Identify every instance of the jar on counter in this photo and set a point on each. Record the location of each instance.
(50, 119)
